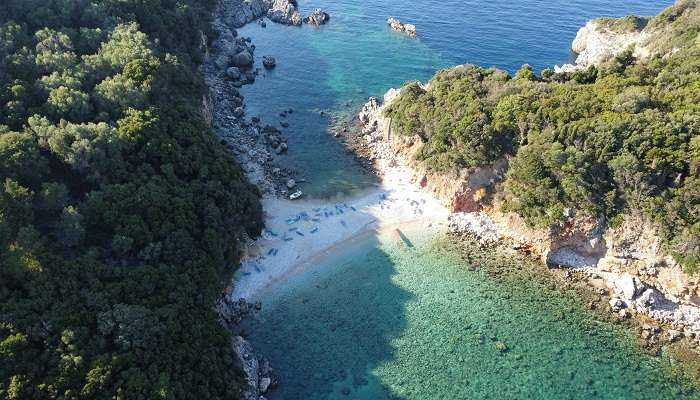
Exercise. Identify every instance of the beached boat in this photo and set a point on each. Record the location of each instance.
(296, 195)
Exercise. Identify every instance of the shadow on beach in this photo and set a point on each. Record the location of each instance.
(333, 325)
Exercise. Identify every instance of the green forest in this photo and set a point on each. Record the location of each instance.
(120, 210)
(619, 139)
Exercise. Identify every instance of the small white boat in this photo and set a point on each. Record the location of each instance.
(295, 195)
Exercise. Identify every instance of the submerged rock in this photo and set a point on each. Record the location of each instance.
(317, 17)
(269, 62)
(398, 26)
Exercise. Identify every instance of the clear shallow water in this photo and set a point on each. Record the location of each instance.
(384, 321)
(335, 68)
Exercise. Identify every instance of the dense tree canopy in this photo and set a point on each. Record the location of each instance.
(620, 138)
(119, 208)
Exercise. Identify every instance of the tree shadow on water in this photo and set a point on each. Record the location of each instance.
(333, 326)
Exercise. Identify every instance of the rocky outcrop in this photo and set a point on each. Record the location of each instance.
(598, 42)
(628, 258)
(236, 13)
(398, 26)
(317, 17)
(269, 62)
(257, 370)
(284, 12)
(207, 109)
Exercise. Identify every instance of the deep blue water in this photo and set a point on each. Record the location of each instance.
(335, 68)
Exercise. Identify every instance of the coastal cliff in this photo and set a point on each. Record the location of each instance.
(602, 39)
(629, 256)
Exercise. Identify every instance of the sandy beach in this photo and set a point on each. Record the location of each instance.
(303, 230)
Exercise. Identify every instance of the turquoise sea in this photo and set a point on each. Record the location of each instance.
(379, 320)
(335, 68)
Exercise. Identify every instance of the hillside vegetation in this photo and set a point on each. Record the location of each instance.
(119, 208)
(618, 139)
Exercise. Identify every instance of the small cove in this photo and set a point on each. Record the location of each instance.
(379, 320)
(334, 68)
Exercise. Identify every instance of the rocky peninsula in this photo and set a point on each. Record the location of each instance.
(625, 262)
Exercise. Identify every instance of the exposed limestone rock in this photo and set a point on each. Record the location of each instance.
(398, 26)
(284, 12)
(596, 43)
(478, 224)
(317, 17)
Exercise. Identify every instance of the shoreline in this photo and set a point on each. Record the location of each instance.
(323, 225)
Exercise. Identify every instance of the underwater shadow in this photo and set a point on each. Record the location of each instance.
(334, 325)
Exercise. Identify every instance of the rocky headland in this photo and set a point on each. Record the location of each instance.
(626, 262)
(602, 39)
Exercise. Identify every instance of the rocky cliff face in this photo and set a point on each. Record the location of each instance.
(628, 259)
(598, 42)
(595, 43)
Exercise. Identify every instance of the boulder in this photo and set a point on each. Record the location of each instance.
(265, 384)
(269, 62)
(291, 184)
(233, 73)
(285, 12)
(281, 148)
(249, 77)
(398, 26)
(317, 17)
(222, 61)
(242, 60)
(674, 335)
(626, 286)
(238, 112)
(624, 313)
(617, 304)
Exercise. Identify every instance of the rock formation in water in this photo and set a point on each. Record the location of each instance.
(317, 17)
(398, 26)
(284, 12)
